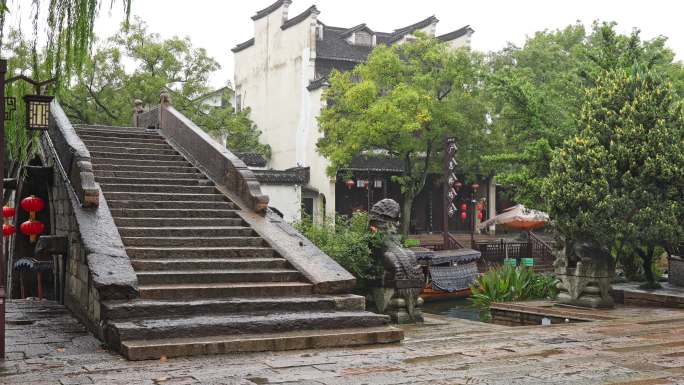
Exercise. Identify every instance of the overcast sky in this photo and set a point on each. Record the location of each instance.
(218, 25)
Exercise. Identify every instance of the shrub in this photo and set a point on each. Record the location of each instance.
(348, 241)
(507, 284)
(409, 242)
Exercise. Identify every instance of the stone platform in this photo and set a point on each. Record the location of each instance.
(47, 346)
(630, 294)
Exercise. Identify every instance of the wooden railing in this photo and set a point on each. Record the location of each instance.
(535, 247)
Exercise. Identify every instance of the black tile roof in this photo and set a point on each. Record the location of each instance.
(244, 45)
(421, 24)
(360, 27)
(271, 8)
(318, 83)
(377, 163)
(251, 159)
(334, 46)
(295, 175)
(453, 35)
(299, 18)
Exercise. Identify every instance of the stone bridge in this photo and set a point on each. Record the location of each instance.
(168, 247)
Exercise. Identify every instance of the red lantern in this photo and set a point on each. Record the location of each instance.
(366, 183)
(8, 230)
(8, 212)
(32, 204)
(458, 185)
(464, 207)
(349, 183)
(464, 215)
(478, 207)
(32, 228)
(475, 186)
(480, 215)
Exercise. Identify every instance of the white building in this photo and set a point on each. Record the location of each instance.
(281, 73)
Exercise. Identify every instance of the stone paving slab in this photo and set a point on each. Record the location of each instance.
(47, 346)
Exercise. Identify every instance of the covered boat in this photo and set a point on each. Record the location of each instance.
(448, 273)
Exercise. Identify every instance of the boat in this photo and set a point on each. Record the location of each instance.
(448, 273)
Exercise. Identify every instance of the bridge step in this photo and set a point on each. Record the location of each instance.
(172, 213)
(129, 156)
(194, 241)
(306, 339)
(158, 188)
(195, 231)
(217, 276)
(93, 142)
(142, 308)
(157, 175)
(169, 205)
(160, 196)
(140, 252)
(195, 181)
(204, 326)
(106, 163)
(224, 290)
(124, 134)
(131, 149)
(175, 222)
(144, 170)
(213, 264)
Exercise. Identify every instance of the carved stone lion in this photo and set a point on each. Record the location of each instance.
(402, 279)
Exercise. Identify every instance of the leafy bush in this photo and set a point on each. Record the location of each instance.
(409, 242)
(348, 241)
(507, 284)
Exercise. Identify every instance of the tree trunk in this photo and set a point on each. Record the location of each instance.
(406, 214)
(647, 258)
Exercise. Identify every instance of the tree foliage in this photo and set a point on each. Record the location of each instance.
(537, 92)
(137, 64)
(620, 180)
(402, 102)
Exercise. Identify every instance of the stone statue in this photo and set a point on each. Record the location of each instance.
(585, 271)
(402, 280)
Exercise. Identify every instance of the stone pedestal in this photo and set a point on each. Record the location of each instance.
(393, 302)
(585, 277)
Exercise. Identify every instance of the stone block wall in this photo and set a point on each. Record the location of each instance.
(80, 295)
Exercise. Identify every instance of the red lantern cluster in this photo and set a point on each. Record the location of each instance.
(8, 228)
(32, 227)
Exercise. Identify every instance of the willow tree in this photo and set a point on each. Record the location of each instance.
(402, 102)
(69, 28)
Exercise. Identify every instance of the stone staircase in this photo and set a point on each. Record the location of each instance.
(208, 283)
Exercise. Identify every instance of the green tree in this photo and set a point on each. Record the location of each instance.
(620, 180)
(137, 64)
(537, 92)
(402, 102)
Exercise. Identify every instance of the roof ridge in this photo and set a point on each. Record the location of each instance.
(414, 26)
(301, 17)
(270, 9)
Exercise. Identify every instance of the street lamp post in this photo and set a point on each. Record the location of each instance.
(37, 115)
(473, 191)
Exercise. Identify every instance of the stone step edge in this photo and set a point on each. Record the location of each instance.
(216, 271)
(226, 285)
(136, 350)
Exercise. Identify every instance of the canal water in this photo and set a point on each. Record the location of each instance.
(452, 308)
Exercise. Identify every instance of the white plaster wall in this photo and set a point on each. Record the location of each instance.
(317, 164)
(463, 41)
(286, 198)
(271, 78)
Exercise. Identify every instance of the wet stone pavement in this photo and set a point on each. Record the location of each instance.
(46, 345)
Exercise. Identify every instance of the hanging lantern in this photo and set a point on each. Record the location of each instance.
(349, 183)
(480, 215)
(32, 228)
(458, 185)
(8, 230)
(478, 207)
(32, 204)
(464, 207)
(475, 186)
(8, 212)
(366, 184)
(464, 215)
